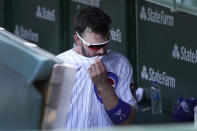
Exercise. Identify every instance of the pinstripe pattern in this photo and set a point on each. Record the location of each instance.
(86, 111)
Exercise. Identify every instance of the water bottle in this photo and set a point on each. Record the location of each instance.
(156, 103)
(195, 116)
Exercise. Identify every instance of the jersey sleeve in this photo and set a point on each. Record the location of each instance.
(125, 80)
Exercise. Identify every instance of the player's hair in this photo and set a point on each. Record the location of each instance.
(94, 18)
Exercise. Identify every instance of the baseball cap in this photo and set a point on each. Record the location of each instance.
(183, 111)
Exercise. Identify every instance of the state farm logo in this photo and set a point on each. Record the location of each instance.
(144, 74)
(26, 33)
(156, 16)
(44, 13)
(143, 15)
(150, 74)
(116, 35)
(184, 54)
(175, 52)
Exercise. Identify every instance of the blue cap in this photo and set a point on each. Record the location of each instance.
(183, 111)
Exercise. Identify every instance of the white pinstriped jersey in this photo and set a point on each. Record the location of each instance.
(86, 109)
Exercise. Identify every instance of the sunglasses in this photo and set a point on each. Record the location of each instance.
(94, 46)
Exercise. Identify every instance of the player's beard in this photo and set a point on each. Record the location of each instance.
(83, 51)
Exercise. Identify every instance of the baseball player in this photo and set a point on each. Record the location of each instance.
(101, 95)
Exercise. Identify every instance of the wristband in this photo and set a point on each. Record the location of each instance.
(120, 112)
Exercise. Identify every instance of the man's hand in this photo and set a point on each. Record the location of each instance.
(98, 74)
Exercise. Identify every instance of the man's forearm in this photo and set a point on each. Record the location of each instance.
(110, 101)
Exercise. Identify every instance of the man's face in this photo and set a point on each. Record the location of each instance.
(92, 38)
